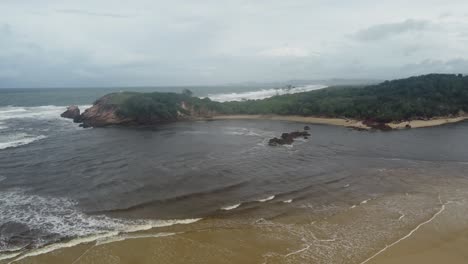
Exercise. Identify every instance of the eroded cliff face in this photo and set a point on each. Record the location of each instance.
(103, 113)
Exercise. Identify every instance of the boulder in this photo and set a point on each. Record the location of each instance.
(287, 138)
(307, 128)
(72, 112)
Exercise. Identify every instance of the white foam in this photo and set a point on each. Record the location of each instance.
(19, 139)
(365, 201)
(242, 131)
(288, 201)
(9, 255)
(346, 186)
(298, 251)
(68, 244)
(267, 199)
(61, 217)
(123, 237)
(230, 207)
(262, 94)
(401, 216)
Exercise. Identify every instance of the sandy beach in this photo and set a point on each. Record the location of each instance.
(344, 122)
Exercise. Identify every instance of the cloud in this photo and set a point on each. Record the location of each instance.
(383, 31)
(186, 42)
(458, 65)
(286, 52)
(5, 30)
(88, 13)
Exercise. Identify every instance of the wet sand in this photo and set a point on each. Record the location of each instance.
(444, 239)
(344, 122)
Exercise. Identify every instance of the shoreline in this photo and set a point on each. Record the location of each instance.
(351, 123)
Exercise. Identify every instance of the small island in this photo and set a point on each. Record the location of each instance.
(421, 101)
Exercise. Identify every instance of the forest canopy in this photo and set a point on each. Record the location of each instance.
(412, 98)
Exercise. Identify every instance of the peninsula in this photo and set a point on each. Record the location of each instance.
(420, 101)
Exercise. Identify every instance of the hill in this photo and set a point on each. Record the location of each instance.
(415, 98)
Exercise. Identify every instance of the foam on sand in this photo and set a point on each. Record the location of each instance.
(9, 255)
(442, 208)
(122, 237)
(288, 201)
(365, 201)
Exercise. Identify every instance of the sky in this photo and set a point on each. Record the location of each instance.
(88, 43)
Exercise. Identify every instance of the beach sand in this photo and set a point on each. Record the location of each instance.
(354, 235)
(428, 123)
(302, 119)
(443, 239)
(344, 122)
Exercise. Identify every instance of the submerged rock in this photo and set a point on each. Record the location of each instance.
(307, 128)
(288, 138)
(72, 112)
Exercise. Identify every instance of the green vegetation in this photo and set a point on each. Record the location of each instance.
(154, 107)
(416, 97)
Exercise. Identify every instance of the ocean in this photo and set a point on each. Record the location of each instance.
(338, 195)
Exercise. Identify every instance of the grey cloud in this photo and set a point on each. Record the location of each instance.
(95, 43)
(5, 29)
(95, 14)
(383, 31)
(433, 66)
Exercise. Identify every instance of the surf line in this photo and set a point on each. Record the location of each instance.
(442, 208)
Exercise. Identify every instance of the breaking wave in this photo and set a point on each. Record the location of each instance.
(16, 140)
(23, 125)
(48, 221)
(36, 112)
(262, 94)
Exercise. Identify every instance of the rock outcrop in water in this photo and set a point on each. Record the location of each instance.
(288, 138)
(136, 109)
(72, 112)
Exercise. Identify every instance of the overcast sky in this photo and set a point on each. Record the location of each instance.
(56, 43)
